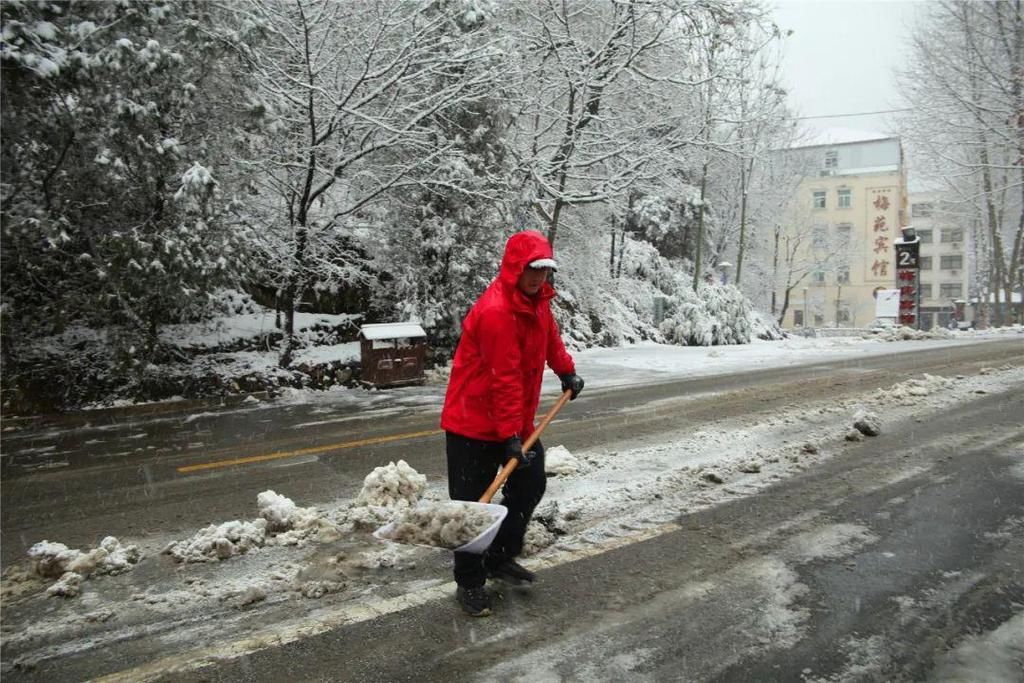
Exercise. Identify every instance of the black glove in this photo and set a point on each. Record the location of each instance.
(572, 382)
(514, 449)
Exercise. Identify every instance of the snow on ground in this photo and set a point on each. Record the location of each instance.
(596, 500)
(245, 326)
(993, 656)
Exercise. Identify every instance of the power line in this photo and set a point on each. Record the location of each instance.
(843, 116)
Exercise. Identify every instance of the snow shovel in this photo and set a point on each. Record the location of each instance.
(482, 541)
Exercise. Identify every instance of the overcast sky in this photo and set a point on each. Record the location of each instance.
(841, 56)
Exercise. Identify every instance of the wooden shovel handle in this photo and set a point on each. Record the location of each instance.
(512, 463)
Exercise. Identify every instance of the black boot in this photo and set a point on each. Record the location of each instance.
(475, 601)
(511, 571)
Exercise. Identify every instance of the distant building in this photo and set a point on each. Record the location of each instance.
(944, 262)
(843, 221)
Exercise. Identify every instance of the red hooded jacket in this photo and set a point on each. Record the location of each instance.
(506, 338)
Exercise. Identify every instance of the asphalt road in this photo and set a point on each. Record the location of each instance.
(944, 559)
(916, 538)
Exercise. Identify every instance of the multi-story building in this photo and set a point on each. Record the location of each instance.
(838, 240)
(943, 262)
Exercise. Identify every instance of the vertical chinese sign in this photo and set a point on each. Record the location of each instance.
(908, 276)
(881, 222)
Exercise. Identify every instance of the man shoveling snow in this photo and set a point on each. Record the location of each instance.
(491, 402)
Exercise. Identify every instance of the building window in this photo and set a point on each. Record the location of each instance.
(818, 277)
(921, 209)
(798, 318)
(845, 199)
(925, 263)
(952, 234)
(926, 291)
(832, 159)
(843, 275)
(819, 238)
(953, 262)
(951, 290)
(843, 316)
(843, 231)
(925, 236)
(819, 319)
(819, 199)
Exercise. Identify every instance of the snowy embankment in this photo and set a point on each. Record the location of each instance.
(238, 352)
(203, 586)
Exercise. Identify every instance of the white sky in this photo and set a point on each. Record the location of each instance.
(841, 56)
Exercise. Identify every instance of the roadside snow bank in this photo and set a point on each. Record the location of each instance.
(281, 522)
(220, 541)
(71, 567)
(53, 560)
(904, 333)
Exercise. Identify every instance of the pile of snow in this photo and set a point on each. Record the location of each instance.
(68, 586)
(70, 567)
(220, 542)
(281, 512)
(387, 492)
(559, 461)
(291, 524)
(53, 560)
(867, 423)
(537, 538)
(549, 521)
(903, 333)
(392, 556)
(905, 393)
(281, 522)
(395, 485)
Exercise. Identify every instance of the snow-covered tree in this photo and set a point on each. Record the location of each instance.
(586, 128)
(109, 216)
(760, 125)
(793, 247)
(345, 94)
(965, 85)
(442, 237)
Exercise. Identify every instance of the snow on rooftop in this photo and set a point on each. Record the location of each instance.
(817, 137)
(391, 331)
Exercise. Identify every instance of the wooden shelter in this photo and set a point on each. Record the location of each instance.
(392, 354)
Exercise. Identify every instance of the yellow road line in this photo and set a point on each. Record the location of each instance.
(247, 460)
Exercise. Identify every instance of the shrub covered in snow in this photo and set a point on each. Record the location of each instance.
(713, 315)
(597, 310)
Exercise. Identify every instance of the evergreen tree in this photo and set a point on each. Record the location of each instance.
(110, 218)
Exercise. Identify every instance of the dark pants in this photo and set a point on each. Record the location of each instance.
(472, 466)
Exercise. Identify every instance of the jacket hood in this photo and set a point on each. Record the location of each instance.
(522, 248)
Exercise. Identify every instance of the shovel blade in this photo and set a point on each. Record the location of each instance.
(480, 544)
(477, 545)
